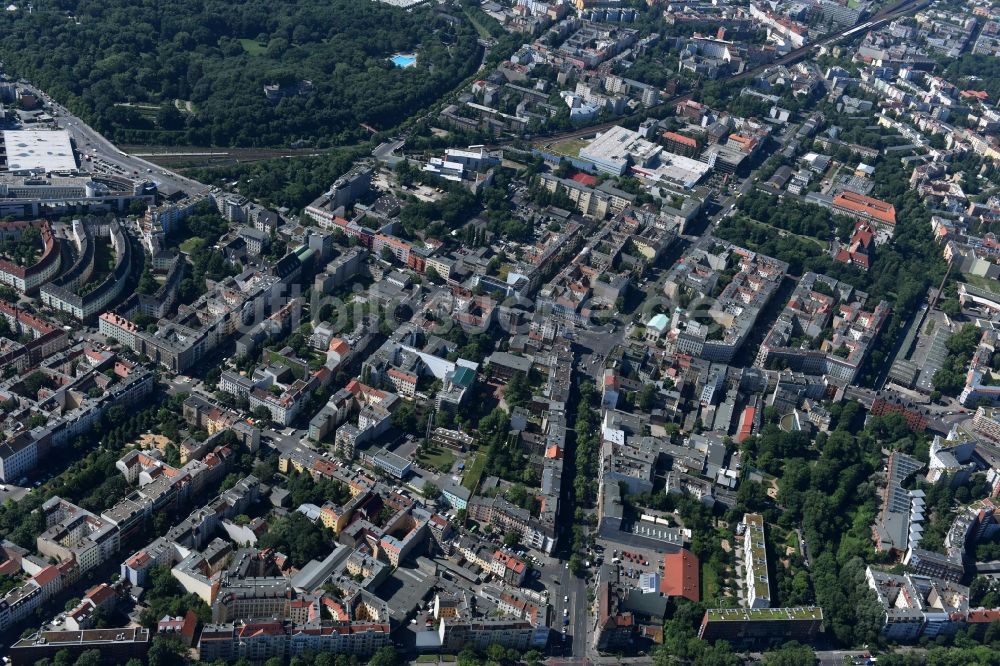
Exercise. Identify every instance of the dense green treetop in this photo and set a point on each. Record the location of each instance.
(99, 57)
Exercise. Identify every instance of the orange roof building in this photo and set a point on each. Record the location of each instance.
(746, 424)
(861, 248)
(680, 144)
(861, 207)
(681, 575)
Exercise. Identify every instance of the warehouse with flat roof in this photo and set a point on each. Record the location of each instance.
(37, 151)
(614, 150)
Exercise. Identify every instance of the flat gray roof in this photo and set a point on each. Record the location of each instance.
(38, 150)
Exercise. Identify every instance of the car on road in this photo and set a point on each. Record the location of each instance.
(565, 598)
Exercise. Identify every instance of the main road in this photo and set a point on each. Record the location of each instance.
(105, 156)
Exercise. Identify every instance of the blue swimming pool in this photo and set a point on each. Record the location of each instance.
(404, 60)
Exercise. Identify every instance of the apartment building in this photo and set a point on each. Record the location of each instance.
(755, 574)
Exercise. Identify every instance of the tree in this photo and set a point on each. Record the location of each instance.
(298, 537)
(166, 651)
(35, 382)
(384, 657)
(405, 419)
(790, 654)
(646, 397)
(147, 283)
(576, 564)
(262, 414)
(89, 658)
(168, 117)
(517, 393)
(165, 596)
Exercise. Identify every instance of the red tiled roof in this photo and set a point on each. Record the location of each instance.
(983, 615)
(100, 593)
(405, 376)
(981, 95)
(46, 576)
(680, 575)
(680, 138)
(746, 424)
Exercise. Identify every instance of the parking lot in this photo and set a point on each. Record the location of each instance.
(12, 492)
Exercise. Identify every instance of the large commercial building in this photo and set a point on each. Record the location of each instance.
(37, 151)
(615, 150)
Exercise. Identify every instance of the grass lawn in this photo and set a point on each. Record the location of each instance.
(252, 47)
(981, 282)
(570, 147)
(191, 244)
(473, 472)
(427, 659)
(793, 540)
(709, 585)
(483, 32)
(438, 458)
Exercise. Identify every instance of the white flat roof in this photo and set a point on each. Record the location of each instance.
(38, 150)
(616, 145)
(676, 169)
